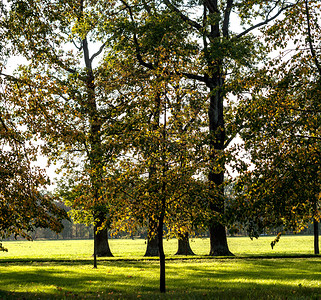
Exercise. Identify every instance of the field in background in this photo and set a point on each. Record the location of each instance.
(63, 270)
(126, 248)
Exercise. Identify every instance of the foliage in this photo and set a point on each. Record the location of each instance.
(282, 120)
(64, 95)
(23, 204)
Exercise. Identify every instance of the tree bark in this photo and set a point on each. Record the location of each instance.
(103, 249)
(218, 241)
(102, 245)
(162, 279)
(316, 236)
(184, 247)
(152, 241)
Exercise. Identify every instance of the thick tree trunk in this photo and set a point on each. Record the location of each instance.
(316, 236)
(184, 247)
(103, 249)
(218, 241)
(102, 244)
(152, 246)
(152, 240)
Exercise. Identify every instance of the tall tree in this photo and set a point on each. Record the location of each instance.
(283, 117)
(61, 91)
(215, 56)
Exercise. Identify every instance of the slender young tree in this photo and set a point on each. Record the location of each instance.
(155, 175)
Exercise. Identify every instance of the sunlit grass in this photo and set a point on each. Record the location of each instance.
(188, 279)
(135, 249)
(63, 269)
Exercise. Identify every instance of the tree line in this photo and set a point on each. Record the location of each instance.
(139, 104)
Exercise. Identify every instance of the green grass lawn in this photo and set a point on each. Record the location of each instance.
(63, 269)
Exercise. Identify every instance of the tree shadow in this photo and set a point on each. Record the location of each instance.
(206, 279)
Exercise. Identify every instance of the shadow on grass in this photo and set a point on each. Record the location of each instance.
(192, 279)
(139, 259)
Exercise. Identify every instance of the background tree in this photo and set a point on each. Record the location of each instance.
(23, 204)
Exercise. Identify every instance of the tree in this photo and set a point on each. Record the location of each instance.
(214, 56)
(23, 204)
(153, 182)
(282, 120)
(63, 96)
(154, 177)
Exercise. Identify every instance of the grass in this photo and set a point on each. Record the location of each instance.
(63, 269)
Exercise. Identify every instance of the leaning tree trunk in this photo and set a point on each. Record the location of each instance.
(316, 236)
(184, 247)
(152, 240)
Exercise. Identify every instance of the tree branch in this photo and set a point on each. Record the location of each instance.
(226, 20)
(138, 52)
(310, 38)
(8, 130)
(98, 52)
(194, 76)
(266, 21)
(212, 8)
(184, 17)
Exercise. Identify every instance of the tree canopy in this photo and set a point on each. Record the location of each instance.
(282, 135)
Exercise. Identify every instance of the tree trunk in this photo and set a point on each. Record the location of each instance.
(103, 249)
(95, 247)
(152, 246)
(152, 240)
(218, 241)
(316, 236)
(162, 281)
(102, 246)
(184, 246)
